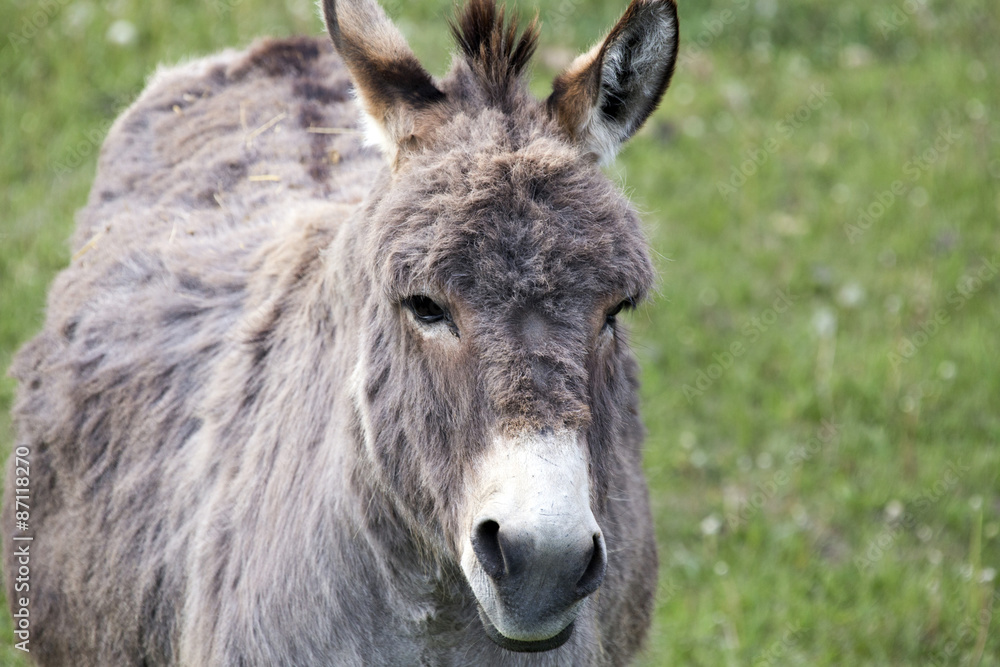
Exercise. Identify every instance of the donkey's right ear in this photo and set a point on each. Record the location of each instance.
(606, 94)
(392, 85)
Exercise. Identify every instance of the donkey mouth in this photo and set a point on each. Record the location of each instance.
(520, 645)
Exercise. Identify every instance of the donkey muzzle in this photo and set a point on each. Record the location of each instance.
(535, 551)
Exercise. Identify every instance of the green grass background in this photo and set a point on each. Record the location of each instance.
(872, 540)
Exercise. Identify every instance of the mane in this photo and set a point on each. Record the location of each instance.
(493, 49)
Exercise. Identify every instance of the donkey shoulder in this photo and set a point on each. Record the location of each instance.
(226, 140)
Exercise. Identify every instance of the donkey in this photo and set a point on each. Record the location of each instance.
(302, 400)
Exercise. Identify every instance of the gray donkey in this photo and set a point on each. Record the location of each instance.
(301, 401)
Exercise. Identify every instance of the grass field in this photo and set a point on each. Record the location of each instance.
(822, 363)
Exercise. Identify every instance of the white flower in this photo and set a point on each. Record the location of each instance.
(710, 525)
(122, 33)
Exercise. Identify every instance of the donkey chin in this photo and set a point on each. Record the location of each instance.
(534, 551)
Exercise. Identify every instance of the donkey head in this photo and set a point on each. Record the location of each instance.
(494, 387)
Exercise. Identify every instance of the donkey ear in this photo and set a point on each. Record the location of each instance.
(606, 95)
(392, 85)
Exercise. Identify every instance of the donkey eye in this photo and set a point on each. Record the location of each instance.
(627, 304)
(425, 309)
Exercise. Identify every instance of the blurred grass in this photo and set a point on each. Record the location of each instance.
(872, 541)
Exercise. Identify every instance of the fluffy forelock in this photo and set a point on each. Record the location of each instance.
(494, 48)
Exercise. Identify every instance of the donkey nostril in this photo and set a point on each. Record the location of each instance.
(596, 568)
(486, 545)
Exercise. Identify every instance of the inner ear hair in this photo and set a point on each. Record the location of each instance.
(606, 95)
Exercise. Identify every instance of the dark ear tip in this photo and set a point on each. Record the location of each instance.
(669, 5)
(665, 9)
(330, 17)
(662, 7)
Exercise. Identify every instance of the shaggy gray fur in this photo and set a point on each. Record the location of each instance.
(244, 450)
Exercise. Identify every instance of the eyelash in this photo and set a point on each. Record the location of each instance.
(611, 317)
(426, 310)
(429, 313)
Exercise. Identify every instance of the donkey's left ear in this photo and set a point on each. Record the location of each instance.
(392, 85)
(606, 95)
